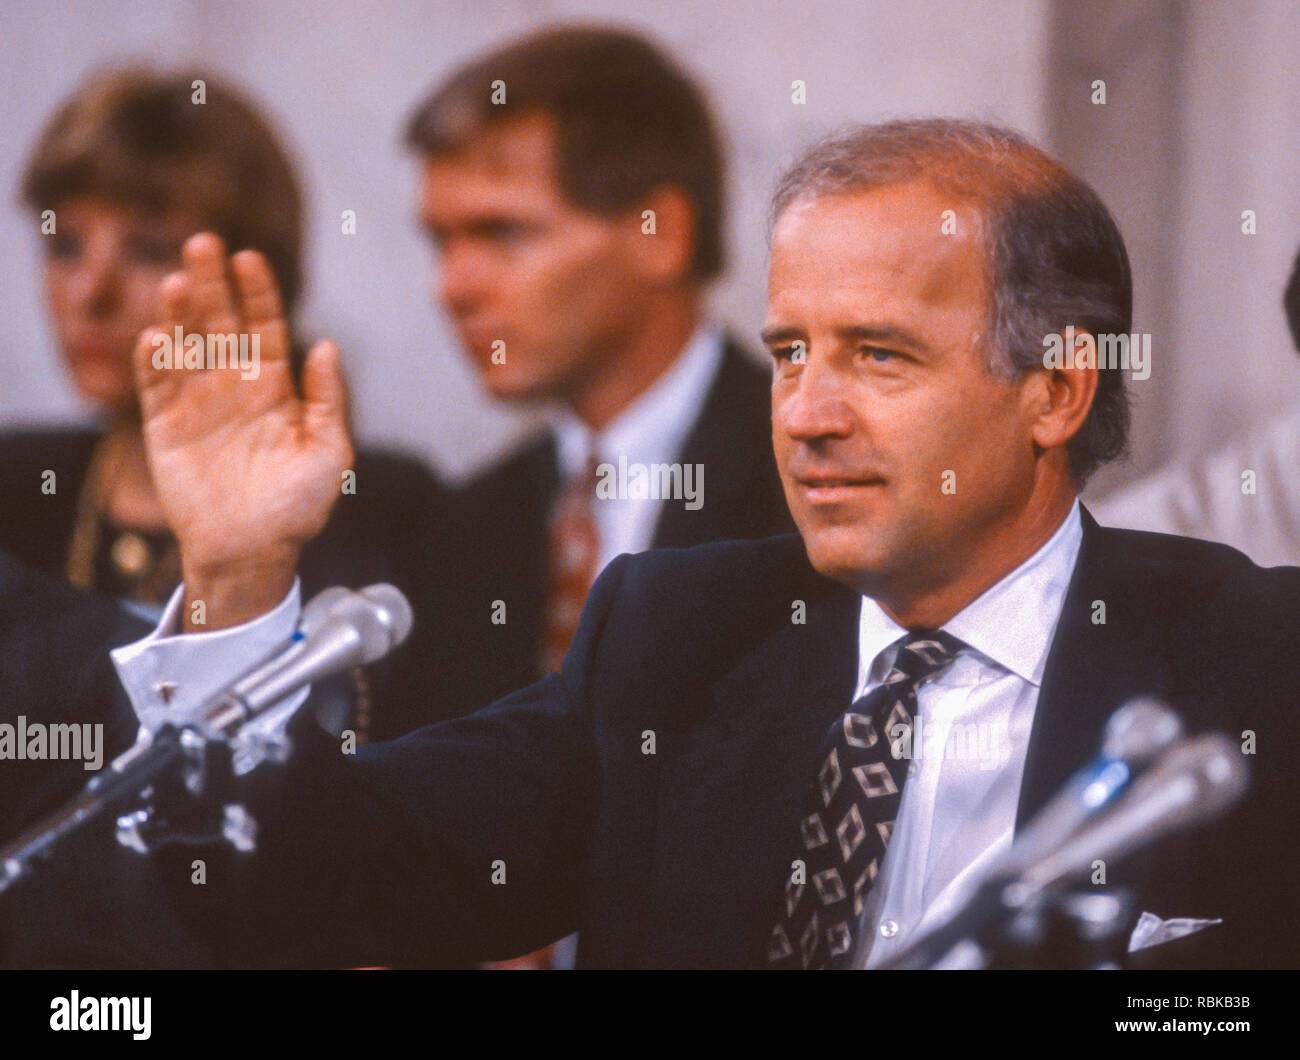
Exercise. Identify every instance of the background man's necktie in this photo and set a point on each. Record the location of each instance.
(850, 811)
(574, 546)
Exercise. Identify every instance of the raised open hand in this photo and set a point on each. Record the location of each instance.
(246, 469)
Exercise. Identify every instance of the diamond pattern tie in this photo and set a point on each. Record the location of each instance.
(849, 813)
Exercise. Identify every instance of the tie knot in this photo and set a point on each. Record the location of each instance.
(580, 489)
(922, 654)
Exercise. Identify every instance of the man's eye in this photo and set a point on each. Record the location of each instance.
(796, 353)
(506, 233)
(63, 246)
(878, 354)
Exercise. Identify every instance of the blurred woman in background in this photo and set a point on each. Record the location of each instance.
(128, 168)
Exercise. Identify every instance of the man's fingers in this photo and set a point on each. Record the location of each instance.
(176, 307)
(259, 297)
(258, 292)
(156, 386)
(324, 394)
(211, 299)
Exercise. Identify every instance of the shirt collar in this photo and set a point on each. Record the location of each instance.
(1012, 623)
(654, 427)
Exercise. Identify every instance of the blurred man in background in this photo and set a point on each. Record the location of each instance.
(573, 188)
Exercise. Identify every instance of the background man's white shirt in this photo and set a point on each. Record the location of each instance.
(652, 430)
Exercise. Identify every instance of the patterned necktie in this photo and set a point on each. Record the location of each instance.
(849, 814)
(574, 546)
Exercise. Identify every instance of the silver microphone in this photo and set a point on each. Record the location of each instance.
(1194, 781)
(314, 613)
(1135, 734)
(340, 629)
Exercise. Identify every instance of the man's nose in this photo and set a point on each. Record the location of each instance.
(461, 279)
(815, 405)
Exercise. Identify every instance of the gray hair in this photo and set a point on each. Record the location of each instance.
(1055, 255)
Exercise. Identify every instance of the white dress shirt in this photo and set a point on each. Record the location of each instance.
(958, 809)
(652, 430)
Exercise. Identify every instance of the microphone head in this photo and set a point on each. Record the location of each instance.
(316, 610)
(393, 610)
(381, 609)
(1212, 770)
(339, 629)
(1194, 781)
(1139, 730)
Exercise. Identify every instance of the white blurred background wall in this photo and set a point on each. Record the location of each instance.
(1200, 123)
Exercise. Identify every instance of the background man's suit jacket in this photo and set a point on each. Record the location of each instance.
(495, 544)
(677, 858)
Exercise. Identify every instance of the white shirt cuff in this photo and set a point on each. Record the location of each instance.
(168, 673)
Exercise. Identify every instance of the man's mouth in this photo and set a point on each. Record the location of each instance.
(835, 488)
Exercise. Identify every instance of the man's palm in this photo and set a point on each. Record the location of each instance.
(246, 469)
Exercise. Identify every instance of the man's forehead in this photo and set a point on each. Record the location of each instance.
(512, 150)
(915, 216)
(904, 233)
(890, 252)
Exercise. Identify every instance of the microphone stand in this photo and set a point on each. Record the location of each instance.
(184, 771)
(171, 753)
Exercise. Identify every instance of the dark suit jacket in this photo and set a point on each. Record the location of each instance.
(495, 545)
(55, 667)
(552, 810)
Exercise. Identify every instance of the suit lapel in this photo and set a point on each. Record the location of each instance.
(1098, 659)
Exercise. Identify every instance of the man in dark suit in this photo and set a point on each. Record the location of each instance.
(713, 779)
(54, 657)
(54, 643)
(572, 185)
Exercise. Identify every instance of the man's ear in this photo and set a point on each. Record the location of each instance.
(664, 235)
(1059, 397)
